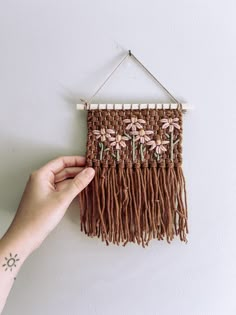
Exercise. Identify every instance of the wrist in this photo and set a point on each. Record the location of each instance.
(12, 257)
(13, 253)
(15, 244)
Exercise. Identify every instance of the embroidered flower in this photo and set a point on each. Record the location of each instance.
(134, 123)
(141, 135)
(103, 134)
(171, 123)
(158, 145)
(118, 141)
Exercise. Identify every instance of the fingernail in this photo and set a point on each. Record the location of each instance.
(89, 171)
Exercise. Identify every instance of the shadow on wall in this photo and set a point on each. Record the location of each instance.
(20, 156)
(18, 161)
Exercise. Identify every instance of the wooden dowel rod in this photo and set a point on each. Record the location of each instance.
(133, 106)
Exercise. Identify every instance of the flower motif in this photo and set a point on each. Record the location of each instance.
(141, 135)
(171, 123)
(134, 123)
(118, 141)
(103, 134)
(158, 145)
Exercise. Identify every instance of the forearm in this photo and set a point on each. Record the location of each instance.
(13, 252)
(47, 195)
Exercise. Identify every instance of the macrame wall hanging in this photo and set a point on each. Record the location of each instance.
(138, 192)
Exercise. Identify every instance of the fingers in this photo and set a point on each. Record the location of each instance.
(60, 186)
(68, 172)
(78, 183)
(60, 163)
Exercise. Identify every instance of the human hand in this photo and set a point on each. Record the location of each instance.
(47, 195)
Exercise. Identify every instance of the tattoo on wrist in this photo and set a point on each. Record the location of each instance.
(10, 262)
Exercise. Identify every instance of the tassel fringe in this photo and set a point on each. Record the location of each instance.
(136, 203)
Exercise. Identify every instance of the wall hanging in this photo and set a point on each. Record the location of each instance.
(138, 192)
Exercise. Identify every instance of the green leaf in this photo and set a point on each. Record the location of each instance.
(127, 135)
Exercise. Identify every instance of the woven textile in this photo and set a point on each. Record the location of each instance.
(138, 192)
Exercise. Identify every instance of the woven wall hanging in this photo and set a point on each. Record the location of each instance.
(138, 192)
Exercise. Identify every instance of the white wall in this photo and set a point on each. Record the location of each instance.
(54, 52)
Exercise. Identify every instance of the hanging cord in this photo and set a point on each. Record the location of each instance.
(87, 103)
(101, 86)
(154, 78)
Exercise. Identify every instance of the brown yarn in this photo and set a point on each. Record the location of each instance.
(139, 191)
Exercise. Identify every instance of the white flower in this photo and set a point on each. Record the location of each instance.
(142, 135)
(158, 145)
(134, 123)
(103, 134)
(171, 123)
(118, 141)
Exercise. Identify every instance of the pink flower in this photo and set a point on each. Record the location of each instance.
(103, 134)
(142, 135)
(118, 141)
(158, 145)
(171, 123)
(134, 123)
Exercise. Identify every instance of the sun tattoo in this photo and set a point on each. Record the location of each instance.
(10, 262)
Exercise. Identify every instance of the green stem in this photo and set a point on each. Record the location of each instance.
(117, 155)
(171, 147)
(133, 148)
(141, 152)
(157, 156)
(101, 151)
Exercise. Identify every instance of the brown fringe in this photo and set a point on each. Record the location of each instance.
(136, 202)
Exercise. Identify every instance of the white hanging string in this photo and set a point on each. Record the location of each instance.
(87, 103)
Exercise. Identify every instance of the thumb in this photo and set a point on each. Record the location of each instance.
(79, 183)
